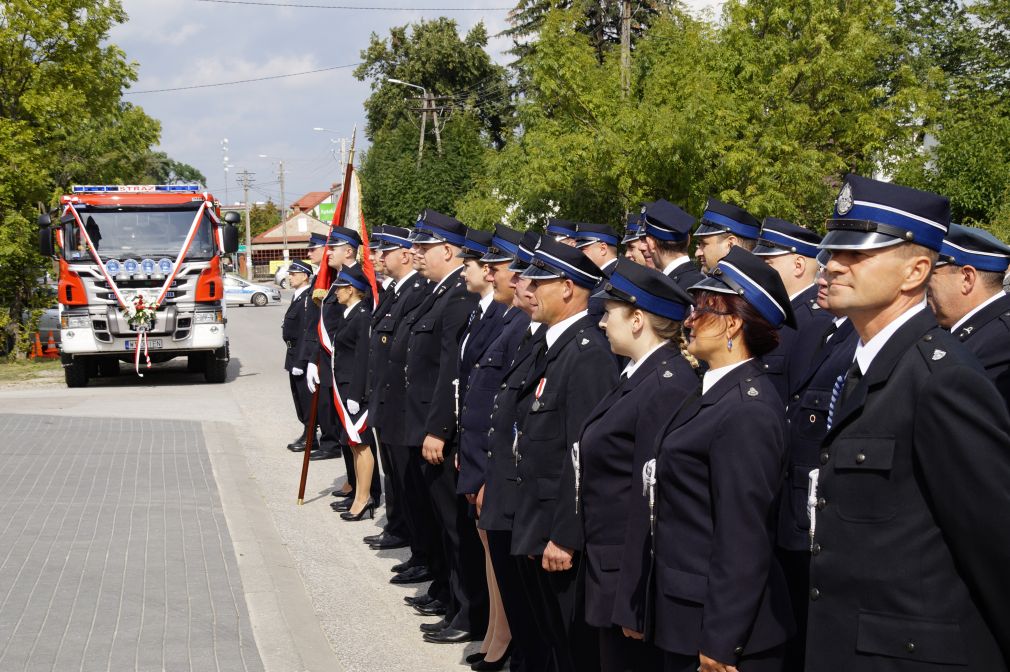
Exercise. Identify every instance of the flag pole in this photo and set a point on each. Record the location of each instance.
(319, 289)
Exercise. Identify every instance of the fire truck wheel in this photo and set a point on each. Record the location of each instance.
(259, 299)
(76, 373)
(217, 367)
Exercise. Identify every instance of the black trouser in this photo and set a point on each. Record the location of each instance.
(796, 566)
(558, 601)
(765, 661)
(396, 523)
(302, 398)
(468, 606)
(624, 654)
(529, 650)
(426, 529)
(329, 424)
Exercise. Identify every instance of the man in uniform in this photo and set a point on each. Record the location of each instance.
(561, 230)
(723, 226)
(293, 331)
(572, 372)
(599, 243)
(792, 251)
(966, 293)
(667, 231)
(635, 247)
(910, 540)
(384, 396)
(432, 370)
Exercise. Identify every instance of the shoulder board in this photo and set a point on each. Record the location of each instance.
(938, 352)
(1005, 318)
(583, 339)
(750, 389)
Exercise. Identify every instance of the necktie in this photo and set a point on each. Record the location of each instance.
(842, 390)
(852, 378)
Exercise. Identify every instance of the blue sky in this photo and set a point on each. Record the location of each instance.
(187, 42)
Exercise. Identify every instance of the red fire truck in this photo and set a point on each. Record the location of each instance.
(157, 246)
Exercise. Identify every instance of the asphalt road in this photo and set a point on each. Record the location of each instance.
(316, 597)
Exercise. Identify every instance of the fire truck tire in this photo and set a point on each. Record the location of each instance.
(259, 299)
(197, 362)
(76, 373)
(217, 367)
(108, 367)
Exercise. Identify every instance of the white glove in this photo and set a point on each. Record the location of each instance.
(295, 371)
(353, 407)
(312, 377)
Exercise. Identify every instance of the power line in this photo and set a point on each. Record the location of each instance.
(242, 81)
(361, 8)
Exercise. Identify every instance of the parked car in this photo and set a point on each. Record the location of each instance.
(238, 291)
(281, 276)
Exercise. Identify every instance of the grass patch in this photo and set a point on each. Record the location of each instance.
(25, 370)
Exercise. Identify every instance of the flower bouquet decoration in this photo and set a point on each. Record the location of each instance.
(140, 315)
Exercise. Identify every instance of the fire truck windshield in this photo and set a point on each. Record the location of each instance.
(137, 233)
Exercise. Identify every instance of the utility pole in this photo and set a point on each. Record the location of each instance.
(246, 177)
(424, 118)
(434, 122)
(625, 47)
(284, 209)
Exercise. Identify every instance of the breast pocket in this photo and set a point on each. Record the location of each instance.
(544, 420)
(862, 486)
(492, 379)
(811, 422)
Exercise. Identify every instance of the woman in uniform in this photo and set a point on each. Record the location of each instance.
(350, 358)
(644, 311)
(719, 598)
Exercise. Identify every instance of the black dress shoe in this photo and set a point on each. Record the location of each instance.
(418, 600)
(389, 542)
(317, 455)
(434, 627)
(341, 493)
(367, 510)
(435, 608)
(297, 446)
(412, 575)
(342, 505)
(405, 565)
(485, 665)
(475, 658)
(449, 636)
(373, 538)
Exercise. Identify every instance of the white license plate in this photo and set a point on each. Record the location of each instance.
(152, 344)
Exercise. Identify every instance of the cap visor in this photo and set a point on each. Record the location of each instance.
(768, 251)
(711, 283)
(536, 273)
(468, 254)
(607, 296)
(857, 240)
(490, 258)
(518, 266)
(706, 229)
(423, 238)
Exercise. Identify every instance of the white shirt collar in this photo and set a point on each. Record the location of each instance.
(448, 275)
(630, 369)
(792, 297)
(301, 290)
(610, 262)
(536, 325)
(348, 309)
(679, 261)
(402, 282)
(554, 332)
(995, 297)
(386, 282)
(713, 376)
(866, 352)
(485, 302)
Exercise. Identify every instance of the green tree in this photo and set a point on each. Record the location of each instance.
(162, 169)
(394, 190)
(263, 217)
(431, 54)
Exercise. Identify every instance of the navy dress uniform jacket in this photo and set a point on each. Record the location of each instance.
(308, 346)
(480, 333)
(807, 423)
(717, 587)
(393, 333)
(350, 352)
(987, 335)
(500, 472)
(578, 371)
(686, 275)
(479, 399)
(909, 565)
(616, 442)
(432, 366)
(296, 319)
(791, 359)
(331, 314)
(597, 307)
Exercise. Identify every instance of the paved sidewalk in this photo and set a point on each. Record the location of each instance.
(114, 552)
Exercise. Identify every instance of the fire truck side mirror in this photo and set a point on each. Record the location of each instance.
(232, 217)
(46, 242)
(44, 220)
(229, 234)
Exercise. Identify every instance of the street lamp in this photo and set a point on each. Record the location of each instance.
(284, 207)
(428, 103)
(415, 86)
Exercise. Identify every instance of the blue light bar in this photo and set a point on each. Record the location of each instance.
(138, 188)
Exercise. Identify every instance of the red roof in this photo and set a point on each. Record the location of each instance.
(311, 200)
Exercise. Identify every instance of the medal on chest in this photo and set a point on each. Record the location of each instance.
(539, 391)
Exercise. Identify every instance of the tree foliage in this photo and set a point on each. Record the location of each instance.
(431, 54)
(263, 217)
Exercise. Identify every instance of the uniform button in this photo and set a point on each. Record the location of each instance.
(814, 594)
(496, 407)
(476, 366)
(825, 457)
(504, 385)
(766, 367)
(519, 480)
(821, 503)
(489, 454)
(738, 650)
(796, 397)
(860, 458)
(490, 431)
(910, 647)
(815, 549)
